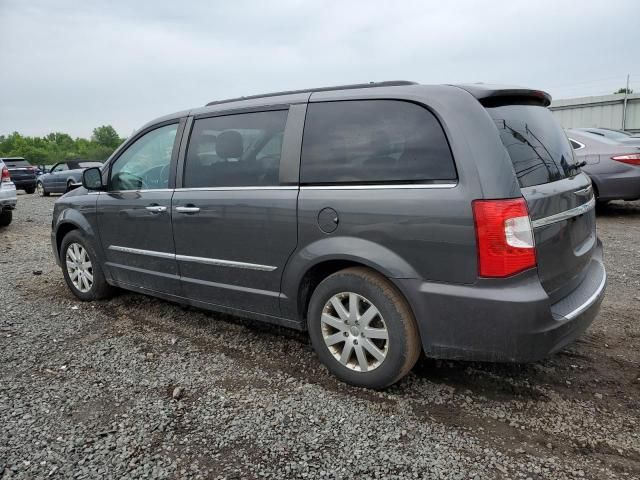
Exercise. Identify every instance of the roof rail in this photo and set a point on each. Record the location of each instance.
(390, 83)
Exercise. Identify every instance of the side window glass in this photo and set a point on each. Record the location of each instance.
(373, 141)
(145, 164)
(240, 150)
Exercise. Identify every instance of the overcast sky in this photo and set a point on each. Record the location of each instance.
(73, 65)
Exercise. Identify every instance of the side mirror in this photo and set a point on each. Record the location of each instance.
(92, 179)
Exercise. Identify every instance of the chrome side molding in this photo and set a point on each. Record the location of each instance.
(187, 258)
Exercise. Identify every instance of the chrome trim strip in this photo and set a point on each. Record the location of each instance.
(139, 251)
(571, 315)
(145, 190)
(222, 189)
(381, 187)
(226, 263)
(187, 258)
(580, 144)
(558, 217)
(583, 191)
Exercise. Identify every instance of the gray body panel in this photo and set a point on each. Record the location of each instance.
(249, 251)
(613, 180)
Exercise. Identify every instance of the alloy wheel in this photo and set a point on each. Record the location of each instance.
(355, 332)
(40, 189)
(79, 267)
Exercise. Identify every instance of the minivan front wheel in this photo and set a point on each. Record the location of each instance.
(82, 272)
(362, 328)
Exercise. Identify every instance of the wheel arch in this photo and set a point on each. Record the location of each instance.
(72, 220)
(311, 265)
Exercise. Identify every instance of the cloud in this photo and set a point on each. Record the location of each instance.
(72, 65)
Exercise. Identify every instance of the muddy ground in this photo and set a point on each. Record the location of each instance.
(86, 390)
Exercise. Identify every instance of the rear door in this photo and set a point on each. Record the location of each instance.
(234, 219)
(560, 198)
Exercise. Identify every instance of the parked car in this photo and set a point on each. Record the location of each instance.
(382, 218)
(619, 136)
(8, 198)
(23, 175)
(63, 176)
(614, 167)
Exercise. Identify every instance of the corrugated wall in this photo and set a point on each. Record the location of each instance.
(604, 111)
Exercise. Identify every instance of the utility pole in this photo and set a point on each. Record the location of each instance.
(624, 106)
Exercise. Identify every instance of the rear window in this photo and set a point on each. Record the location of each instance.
(373, 141)
(538, 147)
(16, 163)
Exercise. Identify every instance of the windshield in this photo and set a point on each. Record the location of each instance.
(538, 147)
(89, 164)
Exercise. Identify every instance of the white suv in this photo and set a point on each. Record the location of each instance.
(8, 197)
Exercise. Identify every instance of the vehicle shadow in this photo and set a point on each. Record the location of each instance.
(618, 209)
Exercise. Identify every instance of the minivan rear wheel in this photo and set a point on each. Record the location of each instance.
(81, 269)
(362, 328)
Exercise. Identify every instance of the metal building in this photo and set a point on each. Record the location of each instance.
(605, 111)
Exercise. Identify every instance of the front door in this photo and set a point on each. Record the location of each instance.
(234, 221)
(134, 214)
(55, 181)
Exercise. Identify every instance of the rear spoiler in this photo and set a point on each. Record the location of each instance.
(495, 96)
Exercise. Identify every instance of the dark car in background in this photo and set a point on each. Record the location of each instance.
(385, 219)
(63, 176)
(23, 174)
(614, 167)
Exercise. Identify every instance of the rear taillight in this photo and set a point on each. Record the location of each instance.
(631, 159)
(504, 237)
(5, 174)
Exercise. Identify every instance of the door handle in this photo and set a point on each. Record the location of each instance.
(187, 209)
(156, 209)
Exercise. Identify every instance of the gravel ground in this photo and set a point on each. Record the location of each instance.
(136, 387)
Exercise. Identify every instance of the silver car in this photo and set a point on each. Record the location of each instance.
(8, 198)
(64, 176)
(619, 136)
(614, 167)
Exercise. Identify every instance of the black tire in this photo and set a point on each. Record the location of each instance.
(69, 185)
(403, 344)
(5, 217)
(41, 191)
(100, 288)
(30, 190)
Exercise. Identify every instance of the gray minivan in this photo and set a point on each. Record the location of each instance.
(385, 219)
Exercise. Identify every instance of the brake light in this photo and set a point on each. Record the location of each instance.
(504, 237)
(5, 174)
(631, 159)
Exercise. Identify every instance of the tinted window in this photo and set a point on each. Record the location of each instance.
(538, 147)
(575, 144)
(16, 163)
(373, 141)
(235, 150)
(61, 167)
(145, 163)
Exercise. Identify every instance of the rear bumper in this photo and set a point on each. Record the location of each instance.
(25, 183)
(503, 320)
(8, 197)
(619, 186)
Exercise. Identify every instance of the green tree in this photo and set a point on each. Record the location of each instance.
(106, 136)
(57, 146)
(624, 90)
